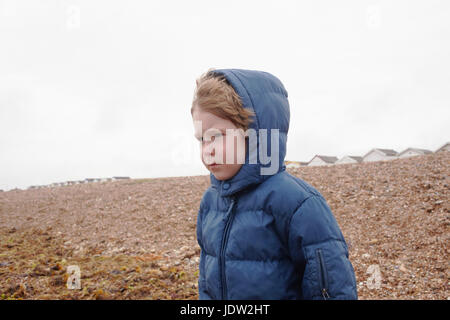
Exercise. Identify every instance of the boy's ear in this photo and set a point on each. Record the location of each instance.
(196, 82)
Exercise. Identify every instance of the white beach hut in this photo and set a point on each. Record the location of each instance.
(380, 155)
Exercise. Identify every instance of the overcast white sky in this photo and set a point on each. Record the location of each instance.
(103, 88)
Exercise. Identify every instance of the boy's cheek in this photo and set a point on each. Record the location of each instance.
(207, 159)
(237, 153)
(217, 157)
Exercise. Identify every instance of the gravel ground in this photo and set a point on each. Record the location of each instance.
(135, 239)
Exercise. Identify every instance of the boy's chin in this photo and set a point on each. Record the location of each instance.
(221, 177)
(224, 173)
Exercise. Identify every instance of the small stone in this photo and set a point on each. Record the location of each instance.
(403, 268)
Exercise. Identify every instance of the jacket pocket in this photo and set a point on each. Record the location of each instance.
(322, 274)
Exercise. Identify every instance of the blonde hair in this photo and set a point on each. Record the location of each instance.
(214, 94)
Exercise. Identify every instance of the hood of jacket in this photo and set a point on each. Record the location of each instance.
(266, 96)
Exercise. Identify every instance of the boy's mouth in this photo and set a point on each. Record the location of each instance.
(213, 165)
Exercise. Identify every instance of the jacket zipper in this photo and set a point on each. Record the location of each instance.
(322, 276)
(223, 246)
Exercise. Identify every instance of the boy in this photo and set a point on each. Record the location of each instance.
(263, 233)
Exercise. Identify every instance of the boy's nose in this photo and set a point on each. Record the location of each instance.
(208, 153)
(208, 148)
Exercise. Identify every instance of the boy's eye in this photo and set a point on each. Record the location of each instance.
(216, 136)
(200, 139)
(212, 138)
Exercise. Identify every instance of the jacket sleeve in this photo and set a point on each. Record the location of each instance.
(319, 251)
(202, 293)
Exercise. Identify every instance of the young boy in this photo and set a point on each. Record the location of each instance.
(263, 233)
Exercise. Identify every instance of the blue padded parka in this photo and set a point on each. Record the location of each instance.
(269, 236)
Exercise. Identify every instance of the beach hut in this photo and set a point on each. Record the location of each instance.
(319, 160)
(445, 147)
(120, 178)
(349, 159)
(411, 152)
(378, 154)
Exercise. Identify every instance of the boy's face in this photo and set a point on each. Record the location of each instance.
(222, 144)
